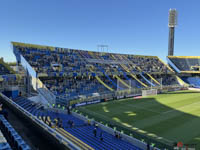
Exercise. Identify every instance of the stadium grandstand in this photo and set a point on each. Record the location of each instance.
(49, 84)
(188, 68)
(57, 80)
(51, 88)
(78, 73)
(55, 98)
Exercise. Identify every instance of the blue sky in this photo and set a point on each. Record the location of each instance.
(127, 26)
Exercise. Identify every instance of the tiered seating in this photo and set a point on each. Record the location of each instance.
(153, 80)
(146, 81)
(186, 63)
(80, 130)
(71, 88)
(14, 137)
(81, 73)
(74, 61)
(28, 105)
(165, 79)
(85, 133)
(4, 145)
(194, 81)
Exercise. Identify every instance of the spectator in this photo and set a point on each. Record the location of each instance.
(148, 146)
(101, 136)
(115, 134)
(55, 121)
(95, 132)
(72, 124)
(73, 62)
(68, 110)
(96, 125)
(60, 124)
(89, 122)
(45, 119)
(50, 125)
(69, 122)
(119, 136)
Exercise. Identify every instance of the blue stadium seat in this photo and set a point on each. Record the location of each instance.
(13, 135)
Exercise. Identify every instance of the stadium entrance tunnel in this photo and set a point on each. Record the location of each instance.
(164, 119)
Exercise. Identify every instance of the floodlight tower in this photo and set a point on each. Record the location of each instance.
(172, 24)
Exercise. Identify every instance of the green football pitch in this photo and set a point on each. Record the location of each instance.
(170, 117)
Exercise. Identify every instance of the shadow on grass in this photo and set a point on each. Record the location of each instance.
(151, 120)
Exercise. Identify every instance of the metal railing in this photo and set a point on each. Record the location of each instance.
(48, 129)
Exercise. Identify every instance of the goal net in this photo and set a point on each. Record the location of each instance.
(149, 92)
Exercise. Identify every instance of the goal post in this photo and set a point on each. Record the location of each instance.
(149, 92)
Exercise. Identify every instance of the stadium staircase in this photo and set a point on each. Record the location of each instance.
(124, 73)
(150, 83)
(80, 134)
(137, 84)
(104, 83)
(100, 81)
(116, 76)
(132, 75)
(127, 70)
(141, 74)
(107, 76)
(120, 80)
(153, 79)
(124, 83)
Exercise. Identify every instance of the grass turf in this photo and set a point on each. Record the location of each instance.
(171, 117)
